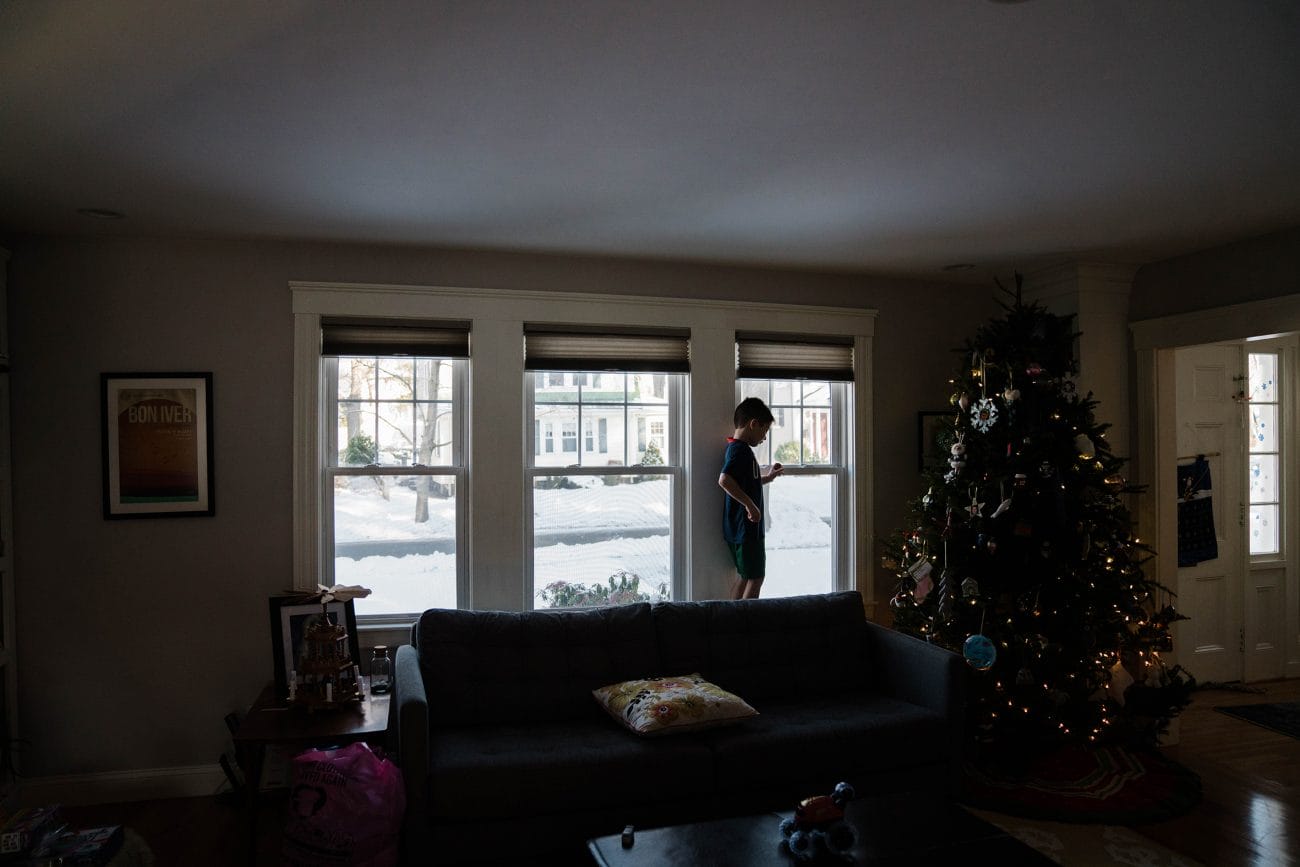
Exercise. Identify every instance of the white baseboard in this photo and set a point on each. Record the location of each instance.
(112, 786)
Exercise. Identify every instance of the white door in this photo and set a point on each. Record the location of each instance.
(1211, 423)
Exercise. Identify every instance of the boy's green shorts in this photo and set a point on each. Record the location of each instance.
(750, 559)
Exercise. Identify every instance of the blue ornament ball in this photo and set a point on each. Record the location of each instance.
(980, 652)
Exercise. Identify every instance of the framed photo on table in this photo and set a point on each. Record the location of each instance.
(157, 443)
(290, 617)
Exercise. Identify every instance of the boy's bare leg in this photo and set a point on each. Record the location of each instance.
(752, 587)
(738, 588)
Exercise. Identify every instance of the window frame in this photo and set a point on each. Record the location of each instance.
(1283, 390)
(676, 390)
(838, 467)
(328, 434)
(498, 442)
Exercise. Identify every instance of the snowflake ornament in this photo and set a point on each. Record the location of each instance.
(984, 414)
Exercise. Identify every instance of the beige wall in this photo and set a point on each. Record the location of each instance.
(135, 637)
(1250, 270)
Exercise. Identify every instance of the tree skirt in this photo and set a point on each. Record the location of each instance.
(1107, 785)
(1281, 717)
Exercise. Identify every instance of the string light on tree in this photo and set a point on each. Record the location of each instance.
(1026, 524)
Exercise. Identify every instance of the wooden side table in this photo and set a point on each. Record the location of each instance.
(272, 722)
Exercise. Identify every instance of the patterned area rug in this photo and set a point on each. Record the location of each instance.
(1104, 786)
(1281, 717)
(1087, 845)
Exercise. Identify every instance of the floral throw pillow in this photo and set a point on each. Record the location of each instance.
(664, 705)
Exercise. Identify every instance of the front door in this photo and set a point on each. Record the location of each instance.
(1211, 423)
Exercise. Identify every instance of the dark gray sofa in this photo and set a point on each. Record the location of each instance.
(504, 750)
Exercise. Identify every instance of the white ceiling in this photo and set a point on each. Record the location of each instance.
(892, 137)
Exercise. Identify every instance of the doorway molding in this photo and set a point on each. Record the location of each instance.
(1154, 342)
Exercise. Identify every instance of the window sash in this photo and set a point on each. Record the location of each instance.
(330, 470)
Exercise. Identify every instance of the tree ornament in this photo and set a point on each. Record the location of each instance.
(947, 598)
(1120, 681)
(970, 588)
(920, 573)
(979, 652)
(1084, 446)
(963, 401)
(1033, 368)
(1011, 395)
(984, 414)
(928, 499)
(958, 449)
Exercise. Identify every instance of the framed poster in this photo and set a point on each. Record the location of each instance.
(933, 438)
(290, 617)
(157, 438)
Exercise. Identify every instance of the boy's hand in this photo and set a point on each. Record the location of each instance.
(775, 471)
(753, 514)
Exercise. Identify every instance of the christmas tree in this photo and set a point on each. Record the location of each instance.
(1020, 555)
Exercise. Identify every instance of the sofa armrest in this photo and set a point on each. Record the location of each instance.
(408, 740)
(923, 674)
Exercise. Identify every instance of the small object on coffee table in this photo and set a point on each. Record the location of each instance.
(628, 837)
(818, 828)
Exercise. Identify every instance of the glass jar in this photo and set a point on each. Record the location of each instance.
(381, 670)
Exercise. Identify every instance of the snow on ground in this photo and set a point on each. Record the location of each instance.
(798, 539)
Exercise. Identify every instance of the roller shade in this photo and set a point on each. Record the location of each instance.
(761, 356)
(658, 351)
(436, 339)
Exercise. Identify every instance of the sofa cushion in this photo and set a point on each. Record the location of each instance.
(532, 666)
(768, 648)
(671, 705)
(831, 738)
(558, 767)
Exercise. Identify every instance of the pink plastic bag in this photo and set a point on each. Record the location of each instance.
(345, 807)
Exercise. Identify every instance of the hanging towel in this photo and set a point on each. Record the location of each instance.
(1196, 539)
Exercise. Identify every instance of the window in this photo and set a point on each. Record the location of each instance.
(392, 468)
(807, 512)
(603, 526)
(1265, 459)
(514, 476)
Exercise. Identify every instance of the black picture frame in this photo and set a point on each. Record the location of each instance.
(290, 616)
(930, 448)
(156, 431)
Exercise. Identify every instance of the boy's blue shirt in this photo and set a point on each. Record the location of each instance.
(739, 463)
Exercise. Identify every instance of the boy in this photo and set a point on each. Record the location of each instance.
(741, 478)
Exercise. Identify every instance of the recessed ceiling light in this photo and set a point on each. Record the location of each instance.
(959, 266)
(101, 213)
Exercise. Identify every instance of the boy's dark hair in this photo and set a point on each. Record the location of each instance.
(752, 409)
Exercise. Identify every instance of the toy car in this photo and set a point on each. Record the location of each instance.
(818, 826)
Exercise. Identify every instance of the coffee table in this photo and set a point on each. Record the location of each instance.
(892, 830)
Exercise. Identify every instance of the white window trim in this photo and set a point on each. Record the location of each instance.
(498, 448)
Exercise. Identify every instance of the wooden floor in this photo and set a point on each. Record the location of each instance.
(1250, 815)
